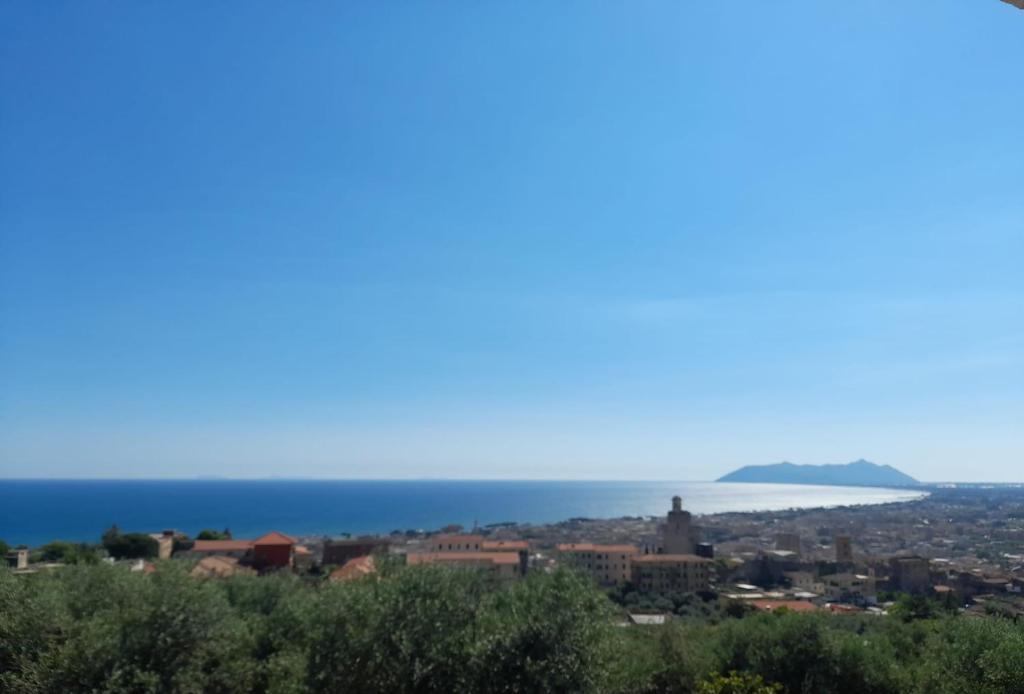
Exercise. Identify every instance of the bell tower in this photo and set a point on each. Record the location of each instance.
(678, 535)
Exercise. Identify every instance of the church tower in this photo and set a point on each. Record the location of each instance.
(678, 535)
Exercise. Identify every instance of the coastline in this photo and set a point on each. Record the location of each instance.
(41, 511)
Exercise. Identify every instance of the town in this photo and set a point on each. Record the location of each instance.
(962, 546)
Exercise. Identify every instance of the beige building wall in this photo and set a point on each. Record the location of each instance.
(503, 566)
(607, 564)
(456, 543)
(671, 573)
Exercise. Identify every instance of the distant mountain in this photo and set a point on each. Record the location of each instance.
(859, 473)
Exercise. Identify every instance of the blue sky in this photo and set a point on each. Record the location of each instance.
(596, 240)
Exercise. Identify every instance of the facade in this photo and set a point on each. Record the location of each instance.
(607, 564)
(521, 548)
(353, 569)
(17, 559)
(671, 573)
(678, 536)
(273, 551)
(502, 566)
(165, 543)
(340, 552)
(909, 575)
(456, 543)
(705, 550)
(850, 587)
(844, 549)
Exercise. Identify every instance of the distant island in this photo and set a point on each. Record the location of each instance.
(860, 473)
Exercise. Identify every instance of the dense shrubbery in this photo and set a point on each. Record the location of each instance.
(426, 629)
(129, 545)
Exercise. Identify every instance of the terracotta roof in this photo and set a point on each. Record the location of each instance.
(353, 569)
(793, 605)
(591, 547)
(670, 559)
(217, 566)
(221, 545)
(506, 545)
(275, 538)
(302, 549)
(462, 557)
(833, 607)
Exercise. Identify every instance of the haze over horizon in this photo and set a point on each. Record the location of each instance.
(525, 241)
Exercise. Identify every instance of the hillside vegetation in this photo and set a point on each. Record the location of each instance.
(422, 629)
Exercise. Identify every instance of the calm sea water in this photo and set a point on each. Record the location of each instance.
(35, 511)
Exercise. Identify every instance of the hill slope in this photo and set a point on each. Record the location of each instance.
(860, 473)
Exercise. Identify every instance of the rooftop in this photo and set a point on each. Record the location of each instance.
(463, 557)
(591, 547)
(222, 545)
(670, 559)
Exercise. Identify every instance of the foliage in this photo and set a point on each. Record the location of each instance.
(214, 535)
(737, 683)
(68, 553)
(130, 545)
(102, 628)
(4, 548)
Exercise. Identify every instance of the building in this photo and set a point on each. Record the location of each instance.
(607, 564)
(225, 548)
(354, 569)
(805, 581)
(677, 534)
(520, 547)
(850, 587)
(456, 543)
(502, 566)
(788, 542)
(671, 573)
(844, 549)
(164, 543)
(909, 575)
(340, 552)
(17, 559)
(273, 551)
(219, 567)
(705, 550)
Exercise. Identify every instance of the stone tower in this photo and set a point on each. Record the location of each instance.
(844, 550)
(678, 535)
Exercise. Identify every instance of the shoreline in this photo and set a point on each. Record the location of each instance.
(79, 511)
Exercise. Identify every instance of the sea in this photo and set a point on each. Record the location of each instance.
(34, 512)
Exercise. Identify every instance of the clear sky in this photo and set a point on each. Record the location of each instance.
(597, 240)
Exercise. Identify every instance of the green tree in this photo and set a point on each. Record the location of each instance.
(737, 683)
(68, 553)
(214, 534)
(131, 546)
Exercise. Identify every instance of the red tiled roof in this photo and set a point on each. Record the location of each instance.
(794, 605)
(353, 569)
(591, 547)
(506, 545)
(463, 557)
(221, 545)
(832, 607)
(218, 566)
(275, 538)
(670, 559)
